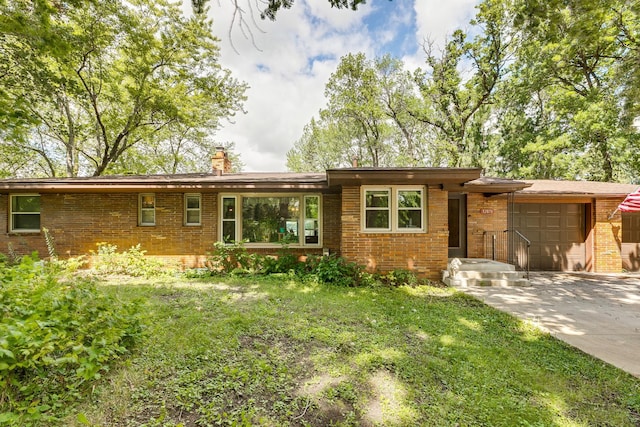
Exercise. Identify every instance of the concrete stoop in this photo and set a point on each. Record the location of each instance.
(463, 272)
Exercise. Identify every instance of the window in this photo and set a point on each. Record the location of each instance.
(377, 211)
(25, 212)
(147, 214)
(228, 219)
(271, 219)
(394, 209)
(192, 209)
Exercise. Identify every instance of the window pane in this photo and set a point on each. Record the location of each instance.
(377, 199)
(270, 219)
(26, 222)
(193, 202)
(228, 208)
(148, 201)
(229, 231)
(193, 217)
(410, 218)
(377, 219)
(311, 231)
(311, 207)
(26, 203)
(409, 199)
(148, 216)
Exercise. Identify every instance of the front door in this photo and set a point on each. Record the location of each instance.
(457, 225)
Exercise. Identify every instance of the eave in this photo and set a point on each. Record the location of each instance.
(401, 176)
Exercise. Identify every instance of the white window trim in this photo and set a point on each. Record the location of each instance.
(389, 209)
(393, 206)
(187, 210)
(140, 209)
(12, 228)
(301, 217)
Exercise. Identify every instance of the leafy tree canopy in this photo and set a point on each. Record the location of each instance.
(103, 78)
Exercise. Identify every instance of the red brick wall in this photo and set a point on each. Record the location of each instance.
(607, 237)
(484, 214)
(424, 253)
(78, 222)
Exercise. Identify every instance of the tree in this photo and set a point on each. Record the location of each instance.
(366, 118)
(568, 106)
(455, 103)
(126, 73)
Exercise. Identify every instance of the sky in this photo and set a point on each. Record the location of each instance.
(287, 63)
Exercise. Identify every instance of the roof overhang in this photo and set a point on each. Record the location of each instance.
(401, 176)
(258, 182)
(488, 186)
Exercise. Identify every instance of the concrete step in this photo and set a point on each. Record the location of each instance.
(511, 274)
(463, 272)
(464, 283)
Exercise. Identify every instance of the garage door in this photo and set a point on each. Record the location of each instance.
(631, 241)
(557, 234)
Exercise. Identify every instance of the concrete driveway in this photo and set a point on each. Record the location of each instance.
(599, 314)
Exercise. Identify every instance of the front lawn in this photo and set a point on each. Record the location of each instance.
(275, 351)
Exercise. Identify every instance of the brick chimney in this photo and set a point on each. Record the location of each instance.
(220, 162)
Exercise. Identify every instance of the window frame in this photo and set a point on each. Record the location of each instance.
(388, 208)
(302, 198)
(187, 209)
(394, 208)
(141, 209)
(12, 228)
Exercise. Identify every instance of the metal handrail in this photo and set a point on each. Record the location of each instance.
(513, 248)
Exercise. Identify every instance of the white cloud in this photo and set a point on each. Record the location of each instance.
(293, 58)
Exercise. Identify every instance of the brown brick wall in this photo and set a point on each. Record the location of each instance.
(484, 214)
(78, 222)
(607, 241)
(424, 253)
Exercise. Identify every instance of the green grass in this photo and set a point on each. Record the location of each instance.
(274, 351)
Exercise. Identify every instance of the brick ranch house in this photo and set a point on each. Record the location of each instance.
(384, 218)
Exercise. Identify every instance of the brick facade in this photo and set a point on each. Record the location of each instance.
(79, 221)
(484, 214)
(424, 253)
(607, 236)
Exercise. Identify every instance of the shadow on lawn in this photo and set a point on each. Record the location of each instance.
(285, 353)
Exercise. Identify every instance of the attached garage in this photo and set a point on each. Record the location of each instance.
(557, 232)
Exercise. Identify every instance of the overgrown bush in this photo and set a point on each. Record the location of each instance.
(229, 258)
(131, 262)
(55, 337)
(334, 270)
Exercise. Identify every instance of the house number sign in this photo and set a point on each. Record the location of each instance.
(486, 211)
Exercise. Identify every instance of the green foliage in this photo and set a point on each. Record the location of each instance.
(56, 337)
(101, 86)
(131, 262)
(401, 277)
(229, 258)
(335, 270)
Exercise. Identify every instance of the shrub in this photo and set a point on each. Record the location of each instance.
(132, 262)
(334, 270)
(55, 337)
(229, 258)
(284, 262)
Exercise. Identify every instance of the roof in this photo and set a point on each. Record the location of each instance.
(492, 185)
(390, 176)
(549, 187)
(195, 181)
